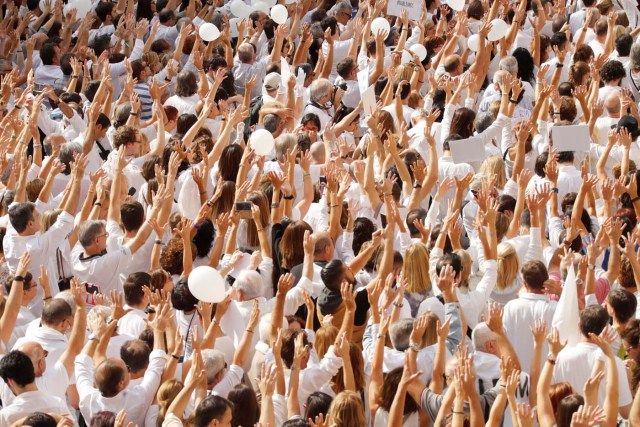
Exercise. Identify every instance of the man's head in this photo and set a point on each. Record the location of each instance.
(93, 235)
(612, 104)
(102, 126)
(246, 53)
(400, 332)
(334, 273)
(37, 354)
(24, 218)
(111, 377)
(484, 339)
(135, 354)
(50, 54)
(347, 69)
(141, 70)
(249, 285)
(621, 305)
(214, 411)
(342, 12)
(321, 93)
(132, 215)
(128, 137)
(16, 369)
(593, 319)
(214, 366)
(510, 65)
(58, 315)
(534, 274)
(453, 65)
(133, 286)
(324, 248)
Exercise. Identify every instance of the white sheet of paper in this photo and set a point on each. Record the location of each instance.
(363, 79)
(369, 100)
(414, 8)
(467, 150)
(571, 138)
(285, 72)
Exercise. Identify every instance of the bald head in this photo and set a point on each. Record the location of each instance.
(612, 103)
(37, 354)
(451, 64)
(317, 152)
(324, 246)
(111, 377)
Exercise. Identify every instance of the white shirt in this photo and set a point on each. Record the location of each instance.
(574, 365)
(54, 382)
(51, 340)
(133, 323)
(519, 315)
(48, 74)
(102, 271)
(29, 402)
(135, 400)
(184, 104)
(569, 180)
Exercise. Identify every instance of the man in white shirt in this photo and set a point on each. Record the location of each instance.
(569, 177)
(17, 371)
(50, 70)
(167, 30)
(521, 313)
(575, 364)
(135, 321)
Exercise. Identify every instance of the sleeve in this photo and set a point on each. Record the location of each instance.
(266, 269)
(430, 402)
(452, 310)
(151, 380)
(534, 250)
(345, 250)
(232, 378)
(432, 214)
(172, 421)
(494, 131)
(445, 126)
(481, 293)
(434, 257)
(315, 378)
(77, 123)
(555, 228)
(54, 237)
(46, 124)
(368, 341)
(405, 242)
(295, 298)
(84, 375)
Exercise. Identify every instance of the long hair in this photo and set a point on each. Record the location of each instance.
(495, 165)
(246, 411)
(346, 410)
(165, 396)
(462, 122)
(259, 199)
(507, 265)
(415, 268)
(291, 248)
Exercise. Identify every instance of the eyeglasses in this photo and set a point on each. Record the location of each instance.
(106, 234)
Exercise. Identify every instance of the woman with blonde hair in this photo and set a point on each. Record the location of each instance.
(495, 166)
(415, 271)
(509, 281)
(346, 410)
(165, 396)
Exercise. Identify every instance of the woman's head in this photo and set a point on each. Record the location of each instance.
(246, 410)
(579, 73)
(291, 244)
(357, 366)
(462, 122)
(171, 259)
(260, 200)
(186, 84)
(224, 203)
(230, 162)
(388, 392)
(567, 406)
(166, 394)
(415, 268)
(495, 165)
(347, 410)
(160, 280)
(317, 403)
(325, 337)
(48, 219)
(507, 265)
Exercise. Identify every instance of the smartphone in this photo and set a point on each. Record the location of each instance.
(38, 88)
(131, 191)
(244, 209)
(323, 180)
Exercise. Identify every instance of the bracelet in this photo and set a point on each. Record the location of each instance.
(18, 278)
(513, 101)
(97, 204)
(275, 205)
(459, 413)
(635, 199)
(46, 298)
(74, 76)
(304, 175)
(133, 114)
(380, 336)
(399, 305)
(294, 368)
(259, 230)
(288, 197)
(334, 206)
(175, 357)
(551, 361)
(40, 146)
(591, 267)
(554, 190)
(249, 330)
(387, 194)
(203, 192)
(157, 242)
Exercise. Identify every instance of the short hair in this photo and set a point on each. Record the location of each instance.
(48, 53)
(451, 259)
(345, 66)
(623, 303)
(20, 214)
(480, 335)
(18, 367)
(623, 45)
(40, 419)
(56, 312)
(509, 64)
(593, 319)
(103, 121)
(612, 70)
(213, 363)
(332, 274)
(135, 354)
(166, 15)
(104, 9)
(565, 157)
(137, 67)
(559, 40)
(534, 274)
(124, 135)
(271, 122)
(132, 215)
(400, 332)
(211, 408)
(250, 283)
(133, 293)
(108, 375)
(288, 344)
(181, 298)
(26, 283)
(311, 117)
(89, 230)
(186, 84)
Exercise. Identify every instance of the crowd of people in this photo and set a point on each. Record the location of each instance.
(427, 255)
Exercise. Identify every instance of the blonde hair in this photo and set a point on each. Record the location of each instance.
(49, 218)
(431, 333)
(507, 265)
(495, 165)
(34, 187)
(346, 410)
(165, 396)
(467, 264)
(325, 337)
(415, 268)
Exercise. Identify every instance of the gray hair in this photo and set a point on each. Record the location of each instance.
(483, 121)
(319, 88)
(250, 283)
(213, 363)
(284, 143)
(400, 332)
(66, 153)
(343, 5)
(68, 297)
(634, 56)
(89, 230)
(480, 335)
(271, 122)
(510, 64)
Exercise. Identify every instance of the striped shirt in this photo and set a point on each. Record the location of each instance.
(146, 102)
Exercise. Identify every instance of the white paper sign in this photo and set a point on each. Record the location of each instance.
(369, 100)
(467, 150)
(363, 79)
(413, 7)
(571, 138)
(285, 72)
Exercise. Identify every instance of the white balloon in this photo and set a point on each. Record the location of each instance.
(380, 24)
(240, 9)
(262, 142)
(419, 50)
(473, 42)
(206, 284)
(456, 5)
(406, 57)
(260, 6)
(82, 8)
(279, 14)
(499, 29)
(208, 32)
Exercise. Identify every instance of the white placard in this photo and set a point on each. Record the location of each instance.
(571, 138)
(369, 100)
(413, 7)
(285, 72)
(467, 150)
(363, 79)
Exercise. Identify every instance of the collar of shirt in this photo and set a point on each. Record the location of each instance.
(534, 297)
